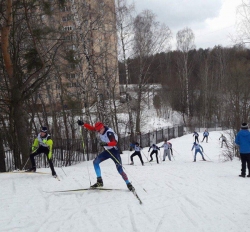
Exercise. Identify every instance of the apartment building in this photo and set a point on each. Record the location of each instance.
(87, 59)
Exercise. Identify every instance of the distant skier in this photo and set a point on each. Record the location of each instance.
(42, 144)
(223, 140)
(198, 148)
(109, 141)
(166, 152)
(155, 150)
(170, 148)
(196, 137)
(137, 149)
(243, 141)
(205, 135)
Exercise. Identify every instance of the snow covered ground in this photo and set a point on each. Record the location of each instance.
(182, 196)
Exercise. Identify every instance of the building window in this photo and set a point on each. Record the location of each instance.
(68, 28)
(71, 75)
(71, 47)
(65, 9)
(67, 18)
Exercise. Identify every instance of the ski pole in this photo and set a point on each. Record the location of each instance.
(63, 170)
(172, 154)
(25, 164)
(146, 157)
(83, 146)
(207, 156)
(176, 151)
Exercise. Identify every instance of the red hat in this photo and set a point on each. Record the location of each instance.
(98, 126)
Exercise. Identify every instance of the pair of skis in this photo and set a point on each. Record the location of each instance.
(83, 189)
(25, 172)
(98, 189)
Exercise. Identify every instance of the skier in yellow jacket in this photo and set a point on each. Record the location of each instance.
(42, 144)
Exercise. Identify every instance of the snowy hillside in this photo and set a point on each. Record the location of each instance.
(182, 196)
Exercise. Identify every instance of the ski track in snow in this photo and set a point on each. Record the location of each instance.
(181, 196)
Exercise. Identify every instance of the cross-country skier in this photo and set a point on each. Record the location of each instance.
(42, 144)
(198, 148)
(223, 140)
(170, 148)
(166, 152)
(196, 137)
(243, 141)
(137, 149)
(205, 135)
(109, 141)
(155, 150)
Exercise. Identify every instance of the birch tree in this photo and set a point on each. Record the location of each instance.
(185, 43)
(124, 17)
(150, 37)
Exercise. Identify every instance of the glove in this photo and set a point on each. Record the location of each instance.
(103, 144)
(80, 123)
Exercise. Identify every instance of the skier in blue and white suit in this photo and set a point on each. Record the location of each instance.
(138, 149)
(205, 135)
(109, 141)
(155, 150)
(198, 148)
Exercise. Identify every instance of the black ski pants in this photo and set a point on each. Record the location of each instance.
(245, 161)
(156, 154)
(196, 138)
(40, 150)
(134, 154)
(204, 138)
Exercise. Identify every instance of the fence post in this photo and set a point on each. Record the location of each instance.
(62, 160)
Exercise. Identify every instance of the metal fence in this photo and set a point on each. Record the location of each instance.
(70, 152)
(148, 139)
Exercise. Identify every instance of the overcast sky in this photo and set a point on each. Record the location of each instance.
(212, 21)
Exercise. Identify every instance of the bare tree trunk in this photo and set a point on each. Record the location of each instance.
(185, 43)
(2, 154)
(17, 115)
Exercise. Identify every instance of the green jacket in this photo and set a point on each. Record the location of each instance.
(45, 142)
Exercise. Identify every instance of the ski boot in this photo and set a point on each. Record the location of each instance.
(54, 175)
(130, 187)
(150, 160)
(132, 163)
(242, 175)
(203, 159)
(248, 175)
(33, 169)
(99, 183)
(194, 161)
